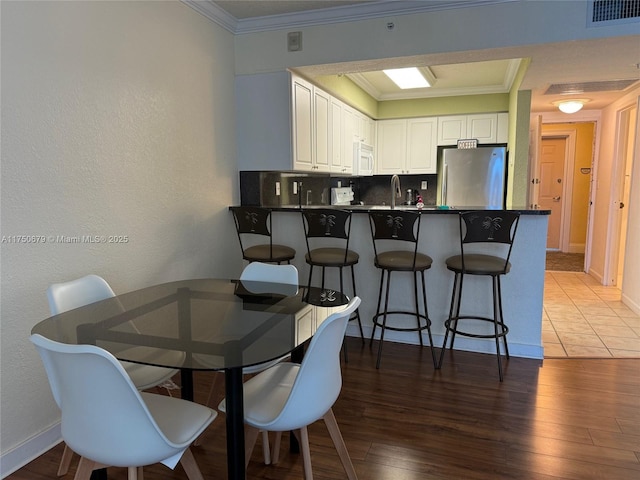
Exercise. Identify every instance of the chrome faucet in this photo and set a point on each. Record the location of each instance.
(396, 191)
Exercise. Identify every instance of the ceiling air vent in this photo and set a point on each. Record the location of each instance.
(585, 87)
(613, 11)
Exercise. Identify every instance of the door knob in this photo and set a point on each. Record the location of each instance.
(556, 199)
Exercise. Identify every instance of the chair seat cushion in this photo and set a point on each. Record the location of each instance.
(262, 253)
(181, 421)
(331, 257)
(265, 396)
(403, 261)
(478, 264)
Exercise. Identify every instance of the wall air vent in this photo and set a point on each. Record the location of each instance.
(606, 12)
(586, 87)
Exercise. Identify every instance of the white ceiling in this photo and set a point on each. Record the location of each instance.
(480, 71)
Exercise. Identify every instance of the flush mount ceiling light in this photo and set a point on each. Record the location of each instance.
(571, 106)
(407, 78)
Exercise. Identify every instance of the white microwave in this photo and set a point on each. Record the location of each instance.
(363, 160)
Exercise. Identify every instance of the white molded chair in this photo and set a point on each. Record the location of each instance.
(261, 272)
(109, 422)
(289, 396)
(90, 289)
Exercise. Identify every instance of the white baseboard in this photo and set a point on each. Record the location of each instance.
(462, 343)
(577, 248)
(18, 457)
(631, 304)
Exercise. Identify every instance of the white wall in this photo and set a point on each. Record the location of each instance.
(603, 188)
(631, 282)
(117, 119)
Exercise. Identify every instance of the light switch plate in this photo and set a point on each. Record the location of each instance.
(294, 41)
(277, 188)
(423, 185)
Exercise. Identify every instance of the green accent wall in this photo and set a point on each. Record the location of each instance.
(455, 105)
(344, 89)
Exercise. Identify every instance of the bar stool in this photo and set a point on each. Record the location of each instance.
(257, 221)
(330, 228)
(482, 227)
(388, 227)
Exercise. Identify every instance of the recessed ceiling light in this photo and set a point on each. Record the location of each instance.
(407, 78)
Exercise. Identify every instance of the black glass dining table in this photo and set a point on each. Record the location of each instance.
(201, 324)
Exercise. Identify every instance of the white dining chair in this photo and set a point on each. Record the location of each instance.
(76, 293)
(108, 422)
(286, 275)
(290, 396)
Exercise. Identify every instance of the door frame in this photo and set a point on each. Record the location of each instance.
(622, 133)
(567, 186)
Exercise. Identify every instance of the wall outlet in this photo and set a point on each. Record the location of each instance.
(423, 185)
(295, 188)
(339, 183)
(277, 189)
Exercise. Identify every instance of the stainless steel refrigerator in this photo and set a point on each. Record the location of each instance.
(474, 177)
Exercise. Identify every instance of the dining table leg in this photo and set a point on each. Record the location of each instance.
(235, 423)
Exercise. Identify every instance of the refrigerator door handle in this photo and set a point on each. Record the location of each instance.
(444, 184)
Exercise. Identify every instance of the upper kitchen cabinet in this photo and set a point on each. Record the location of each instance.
(310, 126)
(486, 128)
(407, 146)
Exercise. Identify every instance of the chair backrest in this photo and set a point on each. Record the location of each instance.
(395, 225)
(77, 293)
(284, 275)
(488, 227)
(327, 223)
(103, 415)
(268, 272)
(252, 221)
(319, 380)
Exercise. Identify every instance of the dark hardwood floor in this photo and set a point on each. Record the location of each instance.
(557, 419)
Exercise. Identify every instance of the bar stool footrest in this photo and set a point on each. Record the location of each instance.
(501, 333)
(422, 317)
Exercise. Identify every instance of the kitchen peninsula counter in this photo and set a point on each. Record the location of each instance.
(522, 287)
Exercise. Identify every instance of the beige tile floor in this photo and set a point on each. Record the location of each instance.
(582, 318)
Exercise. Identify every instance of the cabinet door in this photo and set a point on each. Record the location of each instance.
(392, 147)
(302, 124)
(483, 127)
(322, 130)
(451, 129)
(348, 138)
(336, 135)
(421, 145)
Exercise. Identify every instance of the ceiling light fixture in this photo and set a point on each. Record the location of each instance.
(571, 106)
(406, 78)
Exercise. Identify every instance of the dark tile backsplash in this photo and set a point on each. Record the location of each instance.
(259, 188)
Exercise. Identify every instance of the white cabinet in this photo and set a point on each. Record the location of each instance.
(349, 126)
(336, 135)
(406, 146)
(322, 131)
(302, 124)
(485, 127)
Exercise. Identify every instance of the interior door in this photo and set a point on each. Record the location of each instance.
(552, 160)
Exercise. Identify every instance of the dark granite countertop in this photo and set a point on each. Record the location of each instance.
(430, 209)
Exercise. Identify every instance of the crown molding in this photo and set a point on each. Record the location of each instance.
(214, 13)
(348, 13)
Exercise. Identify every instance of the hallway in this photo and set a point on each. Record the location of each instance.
(583, 319)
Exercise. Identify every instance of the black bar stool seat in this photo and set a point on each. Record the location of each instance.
(331, 257)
